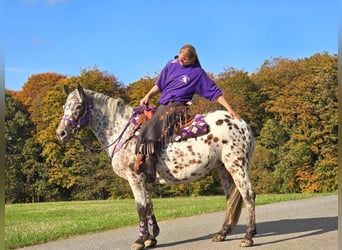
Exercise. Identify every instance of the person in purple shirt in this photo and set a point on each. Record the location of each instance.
(179, 80)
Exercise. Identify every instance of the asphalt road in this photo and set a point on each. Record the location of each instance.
(303, 224)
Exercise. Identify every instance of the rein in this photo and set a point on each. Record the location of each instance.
(85, 120)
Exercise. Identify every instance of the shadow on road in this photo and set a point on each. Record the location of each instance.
(304, 227)
(206, 237)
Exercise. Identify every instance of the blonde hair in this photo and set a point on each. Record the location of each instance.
(189, 51)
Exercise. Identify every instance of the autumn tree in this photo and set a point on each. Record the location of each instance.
(297, 94)
(139, 89)
(34, 90)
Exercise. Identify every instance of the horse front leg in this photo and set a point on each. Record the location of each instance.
(153, 231)
(148, 226)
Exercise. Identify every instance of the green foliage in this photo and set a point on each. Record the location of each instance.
(261, 169)
(25, 170)
(17, 130)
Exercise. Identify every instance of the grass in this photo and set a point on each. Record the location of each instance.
(31, 224)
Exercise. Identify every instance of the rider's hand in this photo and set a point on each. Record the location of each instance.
(233, 114)
(144, 100)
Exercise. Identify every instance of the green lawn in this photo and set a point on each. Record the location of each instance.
(30, 224)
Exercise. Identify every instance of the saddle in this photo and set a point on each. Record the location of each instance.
(193, 127)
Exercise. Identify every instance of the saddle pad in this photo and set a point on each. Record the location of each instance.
(196, 128)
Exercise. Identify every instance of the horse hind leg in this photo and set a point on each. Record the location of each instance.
(251, 226)
(244, 186)
(237, 189)
(234, 204)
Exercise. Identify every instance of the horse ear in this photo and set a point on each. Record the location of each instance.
(66, 89)
(81, 91)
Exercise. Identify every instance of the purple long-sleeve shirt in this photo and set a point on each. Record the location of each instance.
(179, 83)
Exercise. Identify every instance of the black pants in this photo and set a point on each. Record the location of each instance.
(156, 132)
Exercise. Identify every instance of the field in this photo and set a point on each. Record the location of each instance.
(30, 224)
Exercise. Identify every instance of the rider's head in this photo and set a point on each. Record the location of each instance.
(187, 55)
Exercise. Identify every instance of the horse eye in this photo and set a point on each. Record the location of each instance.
(78, 107)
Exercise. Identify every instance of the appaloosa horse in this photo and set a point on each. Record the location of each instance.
(227, 147)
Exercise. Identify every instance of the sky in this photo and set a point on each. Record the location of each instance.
(134, 39)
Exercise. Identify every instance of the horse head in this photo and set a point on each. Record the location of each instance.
(77, 110)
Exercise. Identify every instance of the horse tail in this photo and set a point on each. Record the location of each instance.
(234, 206)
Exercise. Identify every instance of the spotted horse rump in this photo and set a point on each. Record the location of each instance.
(227, 147)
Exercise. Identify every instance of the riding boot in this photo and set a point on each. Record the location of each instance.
(151, 161)
(138, 162)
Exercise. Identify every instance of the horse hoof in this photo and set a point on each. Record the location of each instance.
(246, 242)
(138, 245)
(219, 237)
(150, 243)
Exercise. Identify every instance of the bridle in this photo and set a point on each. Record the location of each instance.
(82, 121)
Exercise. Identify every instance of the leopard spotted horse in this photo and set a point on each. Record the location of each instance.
(227, 147)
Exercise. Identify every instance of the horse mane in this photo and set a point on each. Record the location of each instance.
(111, 106)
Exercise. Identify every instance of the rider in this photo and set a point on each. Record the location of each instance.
(179, 80)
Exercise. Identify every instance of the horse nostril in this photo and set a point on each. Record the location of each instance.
(60, 135)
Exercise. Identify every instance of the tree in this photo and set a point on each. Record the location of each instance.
(243, 95)
(261, 170)
(34, 90)
(139, 89)
(35, 173)
(17, 130)
(301, 97)
(25, 170)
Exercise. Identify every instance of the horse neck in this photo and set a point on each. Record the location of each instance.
(109, 116)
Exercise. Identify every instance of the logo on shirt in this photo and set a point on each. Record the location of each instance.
(185, 79)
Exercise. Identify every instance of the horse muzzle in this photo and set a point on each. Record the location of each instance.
(63, 134)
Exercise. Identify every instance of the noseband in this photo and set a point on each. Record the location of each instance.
(82, 121)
